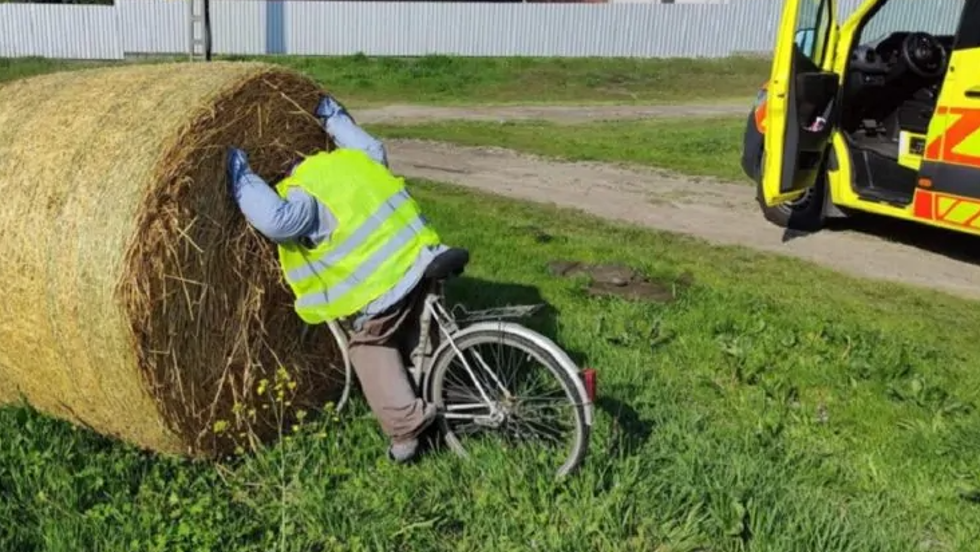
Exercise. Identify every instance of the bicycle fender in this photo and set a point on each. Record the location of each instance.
(540, 340)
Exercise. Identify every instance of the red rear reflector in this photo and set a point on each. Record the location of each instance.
(589, 379)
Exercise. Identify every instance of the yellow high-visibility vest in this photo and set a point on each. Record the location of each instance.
(379, 234)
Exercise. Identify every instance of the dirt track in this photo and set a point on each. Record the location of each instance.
(717, 212)
(570, 114)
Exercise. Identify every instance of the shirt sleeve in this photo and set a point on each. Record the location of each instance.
(347, 134)
(278, 219)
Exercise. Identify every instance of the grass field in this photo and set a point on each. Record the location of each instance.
(361, 80)
(774, 406)
(449, 80)
(695, 146)
(787, 409)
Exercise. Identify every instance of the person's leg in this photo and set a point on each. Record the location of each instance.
(377, 359)
(389, 392)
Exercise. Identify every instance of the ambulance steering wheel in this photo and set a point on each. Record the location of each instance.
(924, 55)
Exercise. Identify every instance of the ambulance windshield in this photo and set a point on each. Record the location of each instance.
(936, 17)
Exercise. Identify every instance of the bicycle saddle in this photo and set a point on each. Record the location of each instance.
(448, 263)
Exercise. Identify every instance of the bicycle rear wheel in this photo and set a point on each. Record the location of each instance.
(536, 399)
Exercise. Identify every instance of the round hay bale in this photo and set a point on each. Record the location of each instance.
(136, 299)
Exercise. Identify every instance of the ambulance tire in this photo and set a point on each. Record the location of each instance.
(805, 214)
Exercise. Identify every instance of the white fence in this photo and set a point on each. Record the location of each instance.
(55, 31)
(257, 27)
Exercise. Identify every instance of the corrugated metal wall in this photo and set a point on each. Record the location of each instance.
(644, 30)
(254, 27)
(152, 27)
(60, 31)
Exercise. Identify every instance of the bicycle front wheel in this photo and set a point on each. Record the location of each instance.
(505, 389)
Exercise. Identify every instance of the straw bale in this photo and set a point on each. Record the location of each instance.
(136, 299)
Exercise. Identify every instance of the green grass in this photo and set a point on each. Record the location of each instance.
(695, 146)
(18, 68)
(458, 80)
(362, 80)
(789, 408)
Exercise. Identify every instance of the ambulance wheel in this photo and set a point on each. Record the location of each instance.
(804, 214)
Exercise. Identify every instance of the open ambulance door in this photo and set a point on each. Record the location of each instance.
(802, 99)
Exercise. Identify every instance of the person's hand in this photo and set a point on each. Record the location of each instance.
(329, 107)
(237, 165)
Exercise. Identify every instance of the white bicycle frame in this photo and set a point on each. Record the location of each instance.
(422, 356)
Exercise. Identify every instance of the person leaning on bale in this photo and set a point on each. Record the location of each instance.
(352, 242)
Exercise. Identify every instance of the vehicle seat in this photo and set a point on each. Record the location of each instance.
(914, 115)
(449, 263)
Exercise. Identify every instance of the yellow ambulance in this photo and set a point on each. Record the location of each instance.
(879, 114)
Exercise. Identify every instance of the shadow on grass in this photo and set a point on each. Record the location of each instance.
(629, 430)
(478, 294)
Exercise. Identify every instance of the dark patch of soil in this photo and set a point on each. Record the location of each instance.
(619, 280)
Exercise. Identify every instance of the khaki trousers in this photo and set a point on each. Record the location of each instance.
(379, 352)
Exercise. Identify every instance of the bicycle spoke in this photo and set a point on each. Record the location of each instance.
(468, 429)
(542, 431)
(484, 385)
(542, 402)
(516, 428)
(465, 364)
(509, 369)
(543, 412)
(451, 376)
(474, 378)
(493, 374)
(536, 395)
(462, 393)
(513, 374)
(508, 392)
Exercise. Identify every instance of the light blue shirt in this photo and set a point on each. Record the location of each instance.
(301, 215)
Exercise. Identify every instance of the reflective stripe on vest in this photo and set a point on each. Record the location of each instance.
(364, 271)
(356, 239)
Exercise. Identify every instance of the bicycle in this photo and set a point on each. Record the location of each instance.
(492, 406)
